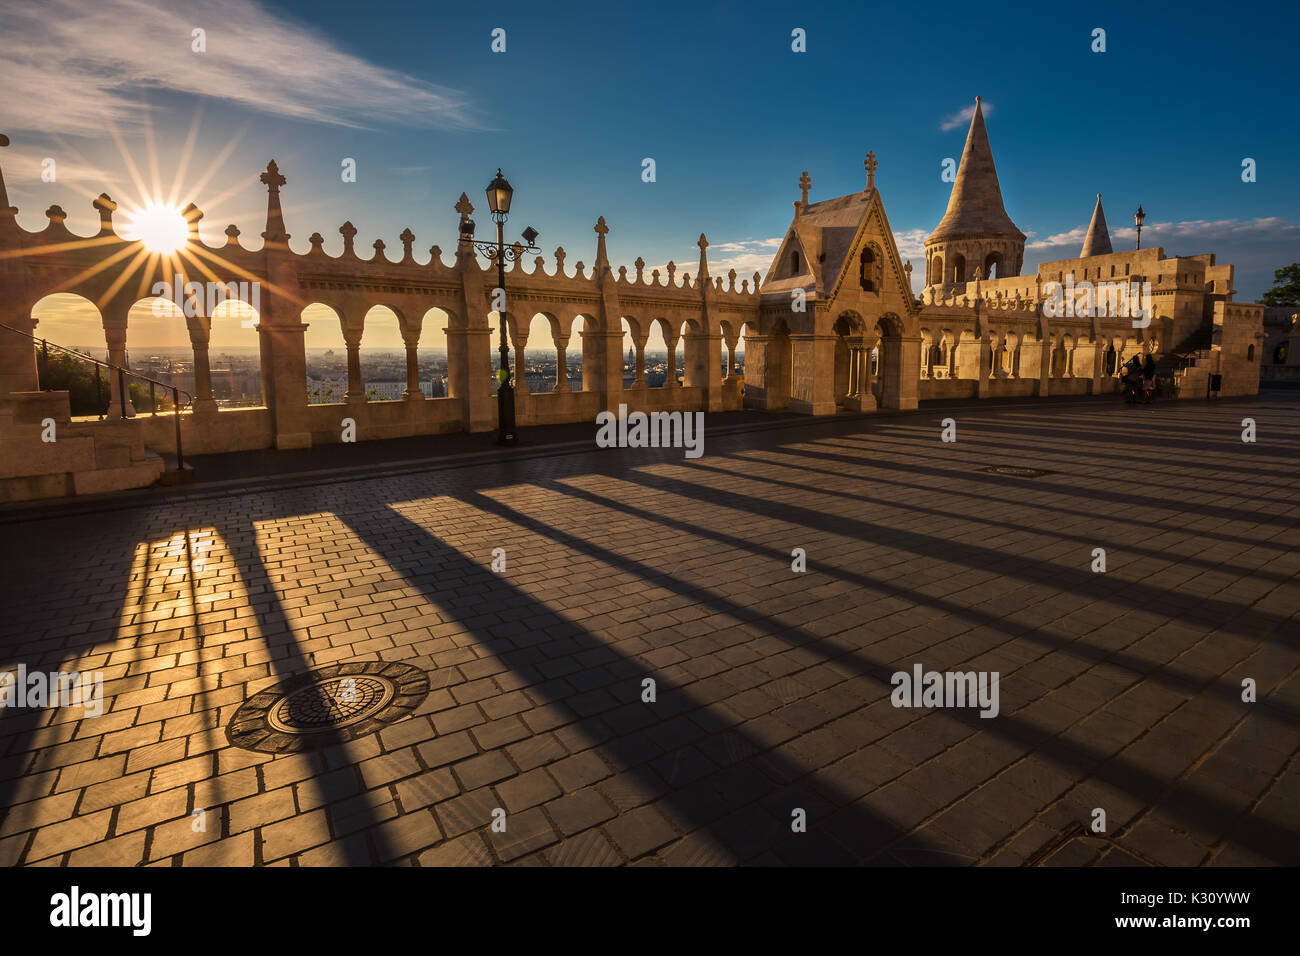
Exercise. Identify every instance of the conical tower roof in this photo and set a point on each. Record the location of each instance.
(975, 206)
(1097, 242)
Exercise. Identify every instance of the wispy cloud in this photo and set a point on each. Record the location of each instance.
(963, 116)
(75, 68)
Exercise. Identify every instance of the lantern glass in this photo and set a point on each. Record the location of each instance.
(499, 194)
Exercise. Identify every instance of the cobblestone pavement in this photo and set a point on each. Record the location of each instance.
(1119, 690)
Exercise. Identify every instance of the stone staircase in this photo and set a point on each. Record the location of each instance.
(1187, 365)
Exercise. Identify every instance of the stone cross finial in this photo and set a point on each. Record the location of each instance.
(192, 214)
(232, 233)
(106, 208)
(348, 231)
(272, 177)
(600, 226)
(407, 238)
(804, 185)
(640, 267)
(464, 207)
(703, 243)
(907, 267)
(871, 164)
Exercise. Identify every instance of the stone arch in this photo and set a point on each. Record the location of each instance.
(993, 267)
(669, 335)
(538, 354)
(73, 321)
(959, 268)
(936, 269)
(327, 368)
(381, 352)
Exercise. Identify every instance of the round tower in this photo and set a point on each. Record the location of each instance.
(975, 232)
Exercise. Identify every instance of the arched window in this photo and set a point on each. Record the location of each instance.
(794, 262)
(1250, 354)
(867, 269)
(993, 265)
(959, 269)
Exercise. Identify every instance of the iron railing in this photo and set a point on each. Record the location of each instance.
(45, 345)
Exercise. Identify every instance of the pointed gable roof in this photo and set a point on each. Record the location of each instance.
(1097, 242)
(975, 205)
(828, 234)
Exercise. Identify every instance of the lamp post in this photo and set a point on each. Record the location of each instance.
(1138, 218)
(499, 194)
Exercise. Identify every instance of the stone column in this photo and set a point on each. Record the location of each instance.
(412, 341)
(671, 380)
(985, 344)
(639, 381)
(903, 387)
(356, 388)
(1098, 360)
(1045, 368)
(952, 355)
(200, 335)
(561, 364)
(115, 336)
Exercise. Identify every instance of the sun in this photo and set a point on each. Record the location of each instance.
(160, 227)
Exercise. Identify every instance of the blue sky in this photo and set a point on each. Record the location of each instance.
(712, 92)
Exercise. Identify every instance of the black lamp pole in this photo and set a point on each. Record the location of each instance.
(499, 194)
(1138, 218)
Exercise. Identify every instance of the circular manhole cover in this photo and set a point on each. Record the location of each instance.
(328, 706)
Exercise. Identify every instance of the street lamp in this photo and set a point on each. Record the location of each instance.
(499, 194)
(1138, 218)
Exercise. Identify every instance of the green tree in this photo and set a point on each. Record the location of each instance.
(1286, 287)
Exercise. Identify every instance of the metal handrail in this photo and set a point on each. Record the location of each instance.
(176, 391)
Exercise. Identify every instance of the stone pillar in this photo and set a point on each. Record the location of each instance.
(812, 392)
(952, 356)
(356, 393)
(413, 392)
(607, 347)
(200, 335)
(985, 343)
(115, 335)
(561, 364)
(671, 380)
(17, 352)
(1045, 368)
(902, 383)
(701, 367)
(639, 382)
(1098, 361)
(860, 397)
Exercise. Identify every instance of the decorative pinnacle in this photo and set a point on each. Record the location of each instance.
(464, 206)
(804, 185)
(272, 177)
(871, 164)
(703, 243)
(600, 226)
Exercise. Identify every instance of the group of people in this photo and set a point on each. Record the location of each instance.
(1141, 374)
